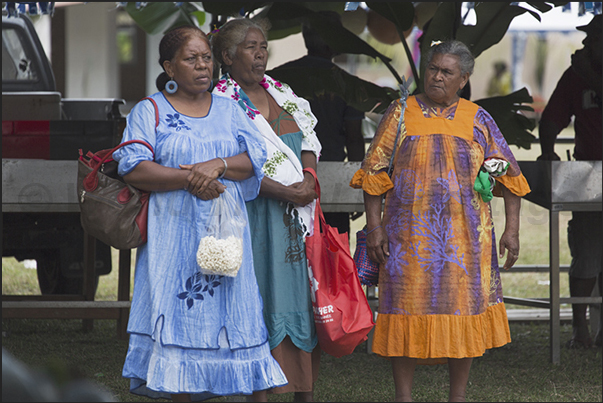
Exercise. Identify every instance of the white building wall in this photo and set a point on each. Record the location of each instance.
(153, 67)
(91, 67)
(42, 26)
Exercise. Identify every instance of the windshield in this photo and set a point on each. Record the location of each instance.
(16, 62)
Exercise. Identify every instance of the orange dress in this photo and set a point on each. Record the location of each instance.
(440, 293)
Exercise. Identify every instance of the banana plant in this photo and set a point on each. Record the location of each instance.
(158, 17)
(493, 20)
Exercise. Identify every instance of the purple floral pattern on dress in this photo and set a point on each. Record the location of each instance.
(438, 233)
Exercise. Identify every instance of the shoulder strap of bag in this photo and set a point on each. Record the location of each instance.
(110, 154)
(313, 173)
(91, 180)
(156, 110)
(404, 95)
(318, 214)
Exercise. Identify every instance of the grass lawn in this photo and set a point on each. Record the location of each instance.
(518, 372)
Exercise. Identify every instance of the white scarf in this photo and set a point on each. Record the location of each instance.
(282, 165)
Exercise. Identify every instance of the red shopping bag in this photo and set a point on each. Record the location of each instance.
(342, 314)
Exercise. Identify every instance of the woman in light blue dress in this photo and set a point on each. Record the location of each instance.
(193, 336)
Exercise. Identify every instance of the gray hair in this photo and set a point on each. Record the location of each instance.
(233, 33)
(456, 48)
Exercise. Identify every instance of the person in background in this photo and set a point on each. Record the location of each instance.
(283, 213)
(339, 127)
(500, 83)
(193, 336)
(440, 295)
(578, 96)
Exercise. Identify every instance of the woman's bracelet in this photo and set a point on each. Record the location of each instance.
(225, 168)
(368, 232)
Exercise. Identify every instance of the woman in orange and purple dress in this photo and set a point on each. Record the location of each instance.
(440, 295)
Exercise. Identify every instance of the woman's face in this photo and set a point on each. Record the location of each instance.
(191, 67)
(249, 64)
(443, 79)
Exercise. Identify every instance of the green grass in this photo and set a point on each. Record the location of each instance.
(520, 371)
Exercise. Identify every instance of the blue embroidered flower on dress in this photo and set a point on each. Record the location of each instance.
(175, 122)
(196, 285)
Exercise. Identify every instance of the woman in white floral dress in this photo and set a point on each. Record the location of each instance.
(283, 212)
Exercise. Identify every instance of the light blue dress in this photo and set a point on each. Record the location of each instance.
(192, 333)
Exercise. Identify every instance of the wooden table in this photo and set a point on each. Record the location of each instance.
(561, 186)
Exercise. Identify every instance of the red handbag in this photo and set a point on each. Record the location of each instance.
(111, 210)
(342, 314)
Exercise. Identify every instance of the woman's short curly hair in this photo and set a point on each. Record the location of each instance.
(231, 34)
(457, 48)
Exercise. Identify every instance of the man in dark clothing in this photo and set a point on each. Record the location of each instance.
(578, 95)
(339, 126)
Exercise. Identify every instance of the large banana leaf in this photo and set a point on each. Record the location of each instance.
(311, 82)
(493, 19)
(492, 22)
(233, 8)
(337, 37)
(505, 110)
(285, 17)
(288, 16)
(240, 8)
(158, 17)
(401, 13)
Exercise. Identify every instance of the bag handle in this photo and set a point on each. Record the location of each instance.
(91, 180)
(156, 110)
(318, 214)
(109, 155)
(404, 96)
(312, 172)
(134, 141)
